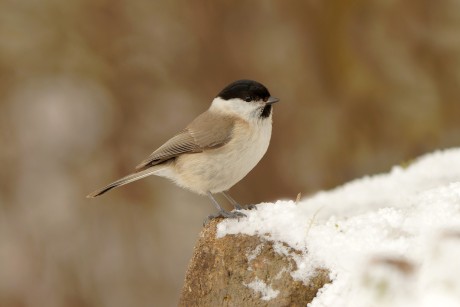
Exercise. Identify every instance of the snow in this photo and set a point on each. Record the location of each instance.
(261, 287)
(388, 240)
(254, 253)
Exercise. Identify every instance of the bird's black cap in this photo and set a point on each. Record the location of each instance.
(247, 90)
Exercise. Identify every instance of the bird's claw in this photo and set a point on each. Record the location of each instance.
(248, 207)
(225, 215)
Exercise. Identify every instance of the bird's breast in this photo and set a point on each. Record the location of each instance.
(218, 169)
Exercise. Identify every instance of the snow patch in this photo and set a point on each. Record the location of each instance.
(265, 290)
(251, 255)
(388, 240)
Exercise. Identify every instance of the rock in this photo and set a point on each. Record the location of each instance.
(242, 270)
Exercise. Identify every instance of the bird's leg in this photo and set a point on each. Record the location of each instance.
(232, 201)
(235, 204)
(222, 212)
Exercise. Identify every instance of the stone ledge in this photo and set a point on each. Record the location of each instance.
(241, 270)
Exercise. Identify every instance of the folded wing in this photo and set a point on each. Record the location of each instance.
(205, 132)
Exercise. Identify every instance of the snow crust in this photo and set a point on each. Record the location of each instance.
(388, 240)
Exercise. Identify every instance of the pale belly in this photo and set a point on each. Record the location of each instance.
(217, 170)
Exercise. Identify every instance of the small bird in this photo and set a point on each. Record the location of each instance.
(217, 149)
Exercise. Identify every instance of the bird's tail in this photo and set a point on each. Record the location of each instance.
(125, 180)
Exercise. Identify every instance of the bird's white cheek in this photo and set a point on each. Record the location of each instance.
(238, 107)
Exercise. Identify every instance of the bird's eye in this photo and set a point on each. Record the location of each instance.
(248, 99)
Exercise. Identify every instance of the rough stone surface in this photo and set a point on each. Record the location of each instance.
(221, 271)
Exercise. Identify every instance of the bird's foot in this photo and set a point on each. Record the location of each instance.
(248, 207)
(225, 215)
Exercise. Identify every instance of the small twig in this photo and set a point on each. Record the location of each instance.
(298, 198)
(312, 220)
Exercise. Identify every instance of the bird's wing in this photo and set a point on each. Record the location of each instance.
(205, 132)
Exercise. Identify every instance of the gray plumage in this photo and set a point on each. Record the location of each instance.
(205, 132)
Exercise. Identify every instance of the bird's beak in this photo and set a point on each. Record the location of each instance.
(272, 100)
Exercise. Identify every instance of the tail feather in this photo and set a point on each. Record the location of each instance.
(125, 180)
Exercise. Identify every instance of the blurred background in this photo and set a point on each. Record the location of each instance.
(89, 88)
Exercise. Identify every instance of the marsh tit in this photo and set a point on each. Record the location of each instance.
(217, 149)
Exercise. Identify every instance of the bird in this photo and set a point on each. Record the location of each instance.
(217, 149)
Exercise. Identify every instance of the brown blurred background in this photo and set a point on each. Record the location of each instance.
(88, 88)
